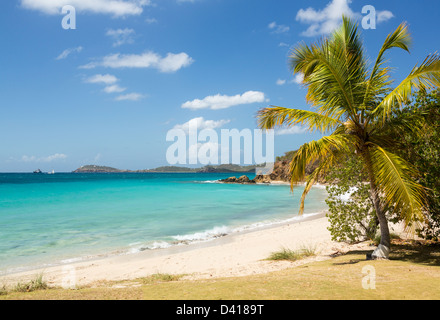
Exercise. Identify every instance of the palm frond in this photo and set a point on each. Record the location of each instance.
(423, 77)
(269, 118)
(400, 38)
(321, 170)
(317, 150)
(334, 71)
(379, 77)
(395, 179)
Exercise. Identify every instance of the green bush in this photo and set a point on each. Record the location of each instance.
(422, 149)
(351, 213)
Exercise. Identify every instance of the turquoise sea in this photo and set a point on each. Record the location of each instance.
(50, 219)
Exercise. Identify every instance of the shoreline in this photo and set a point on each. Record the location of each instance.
(92, 268)
(236, 254)
(181, 242)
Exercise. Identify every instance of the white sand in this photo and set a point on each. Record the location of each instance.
(233, 255)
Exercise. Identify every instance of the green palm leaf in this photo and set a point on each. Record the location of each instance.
(268, 118)
(423, 77)
(394, 177)
(318, 150)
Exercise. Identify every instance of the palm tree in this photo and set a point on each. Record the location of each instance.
(355, 109)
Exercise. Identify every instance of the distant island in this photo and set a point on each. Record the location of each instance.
(280, 173)
(224, 168)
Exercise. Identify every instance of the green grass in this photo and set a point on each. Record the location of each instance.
(161, 277)
(293, 255)
(33, 285)
(412, 273)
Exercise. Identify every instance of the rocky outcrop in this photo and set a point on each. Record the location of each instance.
(242, 179)
(280, 173)
(262, 179)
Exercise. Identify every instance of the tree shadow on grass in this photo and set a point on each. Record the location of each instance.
(418, 252)
(352, 261)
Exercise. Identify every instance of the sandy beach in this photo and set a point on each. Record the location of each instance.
(237, 254)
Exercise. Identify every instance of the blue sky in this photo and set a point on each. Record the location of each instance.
(108, 91)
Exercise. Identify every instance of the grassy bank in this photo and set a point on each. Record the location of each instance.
(413, 272)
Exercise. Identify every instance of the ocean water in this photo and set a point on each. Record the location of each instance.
(64, 217)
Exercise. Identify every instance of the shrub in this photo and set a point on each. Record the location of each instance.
(351, 212)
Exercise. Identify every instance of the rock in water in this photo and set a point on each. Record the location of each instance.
(262, 179)
(242, 179)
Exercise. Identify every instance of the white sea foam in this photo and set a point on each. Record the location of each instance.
(72, 260)
(269, 223)
(203, 236)
(159, 245)
(221, 231)
(211, 181)
(139, 246)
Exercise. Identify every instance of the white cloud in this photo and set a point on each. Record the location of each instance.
(281, 82)
(54, 157)
(111, 87)
(29, 159)
(57, 156)
(223, 101)
(116, 8)
(151, 20)
(110, 84)
(130, 97)
(291, 130)
(67, 52)
(200, 123)
(383, 16)
(121, 36)
(114, 88)
(100, 78)
(298, 79)
(171, 63)
(324, 21)
(278, 28)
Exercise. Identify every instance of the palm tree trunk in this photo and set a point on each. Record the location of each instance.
(385, 238)
(382, 252)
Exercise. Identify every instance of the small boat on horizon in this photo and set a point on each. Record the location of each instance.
(52, 172)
